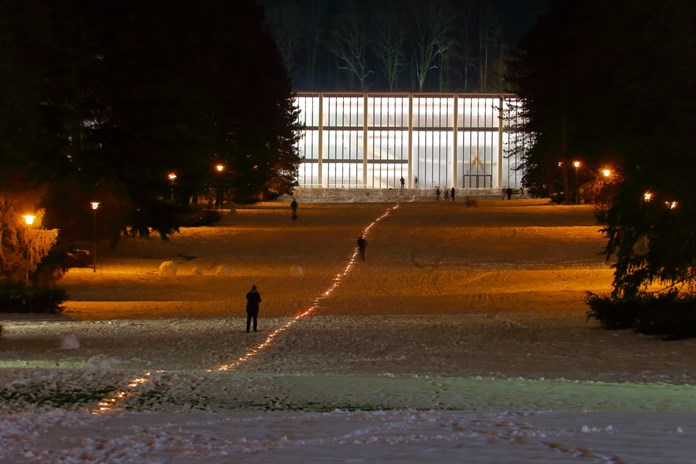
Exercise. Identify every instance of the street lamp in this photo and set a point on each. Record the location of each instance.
(95, 205)
(172, 177)
(576, 164)
(29, 221)
(218, 193)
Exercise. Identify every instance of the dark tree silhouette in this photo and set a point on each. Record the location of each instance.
(110, 96)
(614, 82)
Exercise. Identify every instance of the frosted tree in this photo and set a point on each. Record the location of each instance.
(22, 246)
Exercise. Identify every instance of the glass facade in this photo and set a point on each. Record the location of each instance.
(363, 140)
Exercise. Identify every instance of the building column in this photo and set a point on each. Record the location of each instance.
(455, 174)
(365, 145)
(320, 155)
(501, 122)
(410, 135)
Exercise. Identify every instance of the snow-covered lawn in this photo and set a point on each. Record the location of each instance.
(461, 338)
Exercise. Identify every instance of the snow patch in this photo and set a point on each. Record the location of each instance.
(167, 268)
(101, 362)
(69, 341)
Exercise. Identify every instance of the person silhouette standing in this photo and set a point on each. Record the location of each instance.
(402, 181)
(293, 208)
(362, 244)
(452, 193)
(252, 307)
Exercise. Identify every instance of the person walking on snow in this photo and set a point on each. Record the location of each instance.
(452, 193)
(402, 181)
(362, 244)
(252, 307)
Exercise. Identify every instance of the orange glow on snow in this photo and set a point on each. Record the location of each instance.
(336, 282)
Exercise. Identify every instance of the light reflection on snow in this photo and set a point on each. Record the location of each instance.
(335, 283)
(112, 402)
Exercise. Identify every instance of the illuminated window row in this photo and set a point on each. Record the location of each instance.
(358, 140)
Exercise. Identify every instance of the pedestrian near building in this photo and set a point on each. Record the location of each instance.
(402, 181)
(293, 208)
(362, 244)
(437, 193)
(452, 193)
(253, 298)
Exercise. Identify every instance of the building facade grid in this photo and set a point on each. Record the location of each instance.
(372, 140)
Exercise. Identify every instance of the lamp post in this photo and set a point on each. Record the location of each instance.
(29, 221)
(576, 164)
(218, 192)
(95, 206)
(172, 177)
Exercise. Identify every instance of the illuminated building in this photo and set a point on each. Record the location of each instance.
(371, 140)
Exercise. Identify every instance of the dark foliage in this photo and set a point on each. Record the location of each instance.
(102, 99)
(17, 298)
(613, 83)
(198, 216)
(669, 314)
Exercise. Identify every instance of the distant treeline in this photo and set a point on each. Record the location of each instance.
(398, 45)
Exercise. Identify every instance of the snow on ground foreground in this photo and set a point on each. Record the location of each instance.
(461, 338)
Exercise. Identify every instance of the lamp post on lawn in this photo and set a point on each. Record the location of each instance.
(95, 205)
(218, 191)
(172, 177)
(29, 221)
(576, 164)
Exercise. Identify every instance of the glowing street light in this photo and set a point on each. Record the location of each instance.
(95, 206)
(647, 197)
(606, 172)
(218, 193)
(172, 177)
(576, 164)
(29, 221)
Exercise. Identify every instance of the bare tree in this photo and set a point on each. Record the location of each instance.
(389, 39)
(317, 18)
(431, 28)
(285, 21)
(349, 45)
(490, 28)
(447, 53)
(466, 57)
